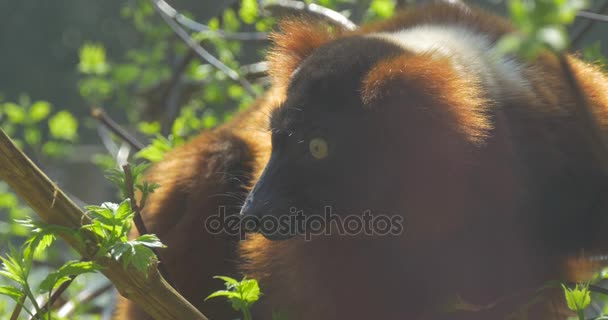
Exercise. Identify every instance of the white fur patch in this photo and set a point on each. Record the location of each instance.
(470, 52)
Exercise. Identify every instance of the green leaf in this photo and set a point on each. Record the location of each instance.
(229, 282)
(117, 177)
(38, 242)
(104, 214)
(32, 136)
(11, 292)
(55, 148)
(143, 258)
(156, 151)
(230, 21)
(577, 298)
(95, 88)
(93, 59)
(119, 249)
(209, 121)
(383, 8)
(222, 293)
(39, 111)
(149, 128)
(8, 200)
(241, 294)
(134, 253)
(125, 74)
(123, 211)
(249, 11)
(138, 170)
(14, 267)
(150, 241)
(70, 268)
(63, 125)
(250, 290)
(14, 112)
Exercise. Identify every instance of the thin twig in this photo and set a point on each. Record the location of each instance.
(593, 16)
(115, 128)
(18, 308)
(49, 304)
(66, 310)
(255, 71)
(588, 23)
(324, 13)
(201, 52)
(139, 223)
(137, 219)
(598, 289)
(188, 23)
(170, 95)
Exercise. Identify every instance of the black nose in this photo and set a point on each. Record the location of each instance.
(260, 215)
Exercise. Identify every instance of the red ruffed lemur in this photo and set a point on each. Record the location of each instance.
(483, 155)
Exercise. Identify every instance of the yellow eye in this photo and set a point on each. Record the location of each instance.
(318, 148)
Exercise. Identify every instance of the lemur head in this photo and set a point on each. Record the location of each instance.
(361, 119)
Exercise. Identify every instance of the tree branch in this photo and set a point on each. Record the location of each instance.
(152, 293)
(587, 25)
(592, 16)
(201, 52)
(298, 7)
(139, 222)
(88, 295)
(255, 71)
(18, 308)
(101, 116)
(49, 304)
(188, 23)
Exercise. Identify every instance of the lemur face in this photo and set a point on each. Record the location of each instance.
(371, 122)
(323, 139)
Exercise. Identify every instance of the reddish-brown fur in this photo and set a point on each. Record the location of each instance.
(483, 172)
(211, 171)
(296, 40)
(421, 74)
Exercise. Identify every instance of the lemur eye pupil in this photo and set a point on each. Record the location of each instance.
(318, 148)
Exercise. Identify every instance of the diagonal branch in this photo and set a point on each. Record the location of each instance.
(66, 310)
(587, 26)
(593, 16)
(137, 219)
(101, 116)
(194, 26)
(152, 293)
(201, 52)
(298, 7)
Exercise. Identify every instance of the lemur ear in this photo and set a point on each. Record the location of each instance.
(295, 40)
(433, 83)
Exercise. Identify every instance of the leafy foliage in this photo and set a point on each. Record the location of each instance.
(29, 120)
(541, 24)
(241, 294)
(578, 299)
(17, 266)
